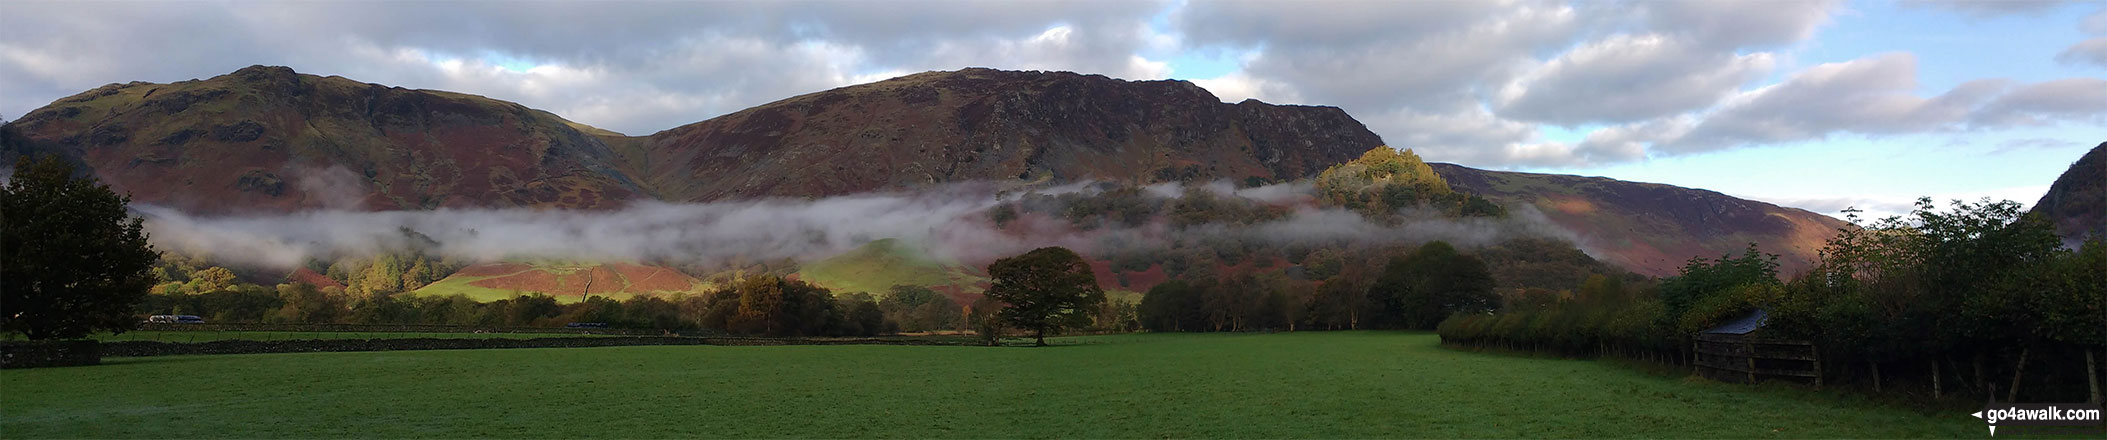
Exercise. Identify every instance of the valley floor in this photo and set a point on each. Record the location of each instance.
(1305, 385)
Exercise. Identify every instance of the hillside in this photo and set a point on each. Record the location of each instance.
(2077, 202)
(1652, 228)
(568, 282)
(983, 124)
(269, 139)
(877, 266)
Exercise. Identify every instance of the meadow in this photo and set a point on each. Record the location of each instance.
(222, 335)
(1302, 385)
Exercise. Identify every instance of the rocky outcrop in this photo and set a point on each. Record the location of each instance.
(993, 125)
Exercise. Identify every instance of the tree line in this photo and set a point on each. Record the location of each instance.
(1978, 298)
(1414, 290)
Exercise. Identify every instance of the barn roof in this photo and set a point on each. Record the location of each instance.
(1742, 326)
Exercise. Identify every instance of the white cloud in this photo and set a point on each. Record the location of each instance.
(1991, 8)
(1878, 206)
(1741, 24)
(1628, 78)
(1470, 81)
(2070, 99)
(2095, 23)
(2091, 51)
(1867, 95)
(634, 67)
(1239, 86)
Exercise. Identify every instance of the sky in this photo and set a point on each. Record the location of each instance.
(1817, 104)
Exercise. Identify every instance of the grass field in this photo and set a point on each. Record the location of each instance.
(203, 336)
(1306, 385)
(877, 266)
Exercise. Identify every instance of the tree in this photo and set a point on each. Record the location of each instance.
(1045, 290)
(212, 279)
(1171, 306)
(1701, 278)
(1417, 291)
(73, 260)
(1380, 182)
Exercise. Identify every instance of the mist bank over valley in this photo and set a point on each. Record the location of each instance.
(950, 222)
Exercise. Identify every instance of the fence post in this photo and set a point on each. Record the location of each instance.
(1816, 352)
(1751, 347)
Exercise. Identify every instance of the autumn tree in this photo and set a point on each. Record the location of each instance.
(73, 260)
(1045, 291)
(1380, 182)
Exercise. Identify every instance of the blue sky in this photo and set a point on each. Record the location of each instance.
(1883, 173)
(1818, 104)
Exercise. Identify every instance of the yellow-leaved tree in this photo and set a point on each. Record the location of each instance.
(1381, 181)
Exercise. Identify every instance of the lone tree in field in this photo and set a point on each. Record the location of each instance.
(72, 261)
(1045, 290)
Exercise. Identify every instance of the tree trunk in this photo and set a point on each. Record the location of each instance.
(1935, 383)
(2013, 394)
(1042, 337)
(2092, 378)
(1876, 375)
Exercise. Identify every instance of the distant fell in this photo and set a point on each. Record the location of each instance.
(993, 125)
(269, 139)
(1652, 228)
(2077, 202)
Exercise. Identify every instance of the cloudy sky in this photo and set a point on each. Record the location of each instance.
(1816, 104)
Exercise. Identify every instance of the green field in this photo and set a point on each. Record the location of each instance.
(204, 336)
(458, 284)
(877, 266)
(1306, 385)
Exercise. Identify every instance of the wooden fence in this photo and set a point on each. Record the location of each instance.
(1741, 359)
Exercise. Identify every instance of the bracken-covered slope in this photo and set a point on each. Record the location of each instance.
(1652, 228)
(2077, 202)
(269, 139)
(983, 124)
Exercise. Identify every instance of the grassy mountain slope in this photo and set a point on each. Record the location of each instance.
(566, 281)
(269, 139)
(877, 266)
(1652, 228)
(2077, 202)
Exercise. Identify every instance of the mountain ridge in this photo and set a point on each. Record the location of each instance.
(269, 139)
(264, 139)
(985, 124)
(1653, 228)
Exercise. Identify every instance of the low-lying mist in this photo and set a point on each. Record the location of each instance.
(950, 221)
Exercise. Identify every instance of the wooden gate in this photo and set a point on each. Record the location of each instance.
(1742, 359)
